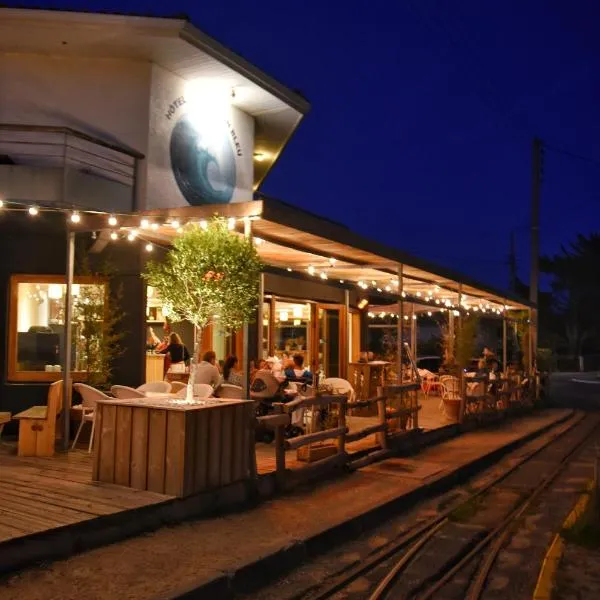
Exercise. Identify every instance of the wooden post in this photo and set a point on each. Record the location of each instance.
(341, 441)
(280, 453)
(463, 398)
(400, 326)
(67, 384)
(504, 345)
(259, 320)
(413, 331)
(381, 413)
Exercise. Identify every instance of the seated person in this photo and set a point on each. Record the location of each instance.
(230, 373)
(207, 371)
(298, 372)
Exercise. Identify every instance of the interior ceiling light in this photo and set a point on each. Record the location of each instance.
(33, 210)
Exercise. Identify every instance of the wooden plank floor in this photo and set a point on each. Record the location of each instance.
(41, 494)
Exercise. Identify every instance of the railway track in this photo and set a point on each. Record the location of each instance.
(430, 560)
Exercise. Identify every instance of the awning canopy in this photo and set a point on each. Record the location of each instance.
(306, 245)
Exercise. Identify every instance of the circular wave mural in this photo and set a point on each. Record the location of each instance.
(203, 163)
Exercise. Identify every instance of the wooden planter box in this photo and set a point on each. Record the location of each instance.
(178, 450)
(315, 452)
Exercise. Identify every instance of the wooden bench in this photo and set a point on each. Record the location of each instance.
(37, 425)
(4, 419)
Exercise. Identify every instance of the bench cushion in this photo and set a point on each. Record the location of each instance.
(35, 412)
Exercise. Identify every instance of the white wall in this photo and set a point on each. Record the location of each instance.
(108, 99)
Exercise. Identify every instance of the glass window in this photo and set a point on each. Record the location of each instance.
(291, 333)
(36, 343)
(329, 342)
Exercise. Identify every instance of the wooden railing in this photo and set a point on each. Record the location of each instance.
(493, 395)
(395, 403)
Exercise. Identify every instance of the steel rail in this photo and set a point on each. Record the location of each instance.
(416, 533)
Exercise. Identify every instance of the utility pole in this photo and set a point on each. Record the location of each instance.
(536, 187)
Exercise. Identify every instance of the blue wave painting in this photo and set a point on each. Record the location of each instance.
(204, 166)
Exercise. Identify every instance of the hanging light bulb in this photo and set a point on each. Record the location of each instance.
(144, 223)
(112, 220)
(132, 235)
(231, 223)
(75, 217)
(114, 235)
(341, 281)
(289, 269)
(33, 210)
(311, 270)
(388, 288)
(323, 275)
(175, 224)
(429, 313)
(203, 225)
(154, 226)
(258, 241)
(332, 261)
(149, 247)
(1, 203)
(403, 294)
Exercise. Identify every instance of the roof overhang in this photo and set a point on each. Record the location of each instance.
(307, 245)
(174, 44)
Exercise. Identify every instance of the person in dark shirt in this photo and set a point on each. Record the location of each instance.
(298, 372)
(176, 350)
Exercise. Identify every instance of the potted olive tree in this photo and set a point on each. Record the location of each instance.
(210, 274)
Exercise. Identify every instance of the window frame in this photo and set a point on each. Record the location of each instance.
(12, 374)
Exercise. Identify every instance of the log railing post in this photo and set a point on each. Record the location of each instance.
(279, 453)
(341, 442)
(381, 413)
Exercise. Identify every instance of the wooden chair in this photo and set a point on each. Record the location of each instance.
(4, 419)
(37, 425)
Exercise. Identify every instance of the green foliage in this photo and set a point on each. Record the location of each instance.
(209, 274)
(96, 317)
(573, 313)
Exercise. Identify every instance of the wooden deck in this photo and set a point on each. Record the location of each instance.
(40, 494)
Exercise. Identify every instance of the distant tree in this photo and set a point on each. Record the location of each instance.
(575, 284)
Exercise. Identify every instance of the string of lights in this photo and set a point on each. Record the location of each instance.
(120, 227)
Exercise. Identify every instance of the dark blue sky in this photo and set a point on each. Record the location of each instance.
(423, 113)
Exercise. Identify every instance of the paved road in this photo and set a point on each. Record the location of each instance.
(575, 390)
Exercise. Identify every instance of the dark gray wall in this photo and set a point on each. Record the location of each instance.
(38, 247)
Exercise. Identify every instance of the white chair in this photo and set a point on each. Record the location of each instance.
(227, 390)
(177, 386)
(203, 390)
(264, 386)
(339, 386)
(156, 387)
(89, 396)
(124, 392)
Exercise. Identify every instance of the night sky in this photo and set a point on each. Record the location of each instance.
(423, 112)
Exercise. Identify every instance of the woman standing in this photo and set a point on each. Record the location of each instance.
(176, 350)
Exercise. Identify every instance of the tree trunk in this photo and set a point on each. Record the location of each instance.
(194, 363)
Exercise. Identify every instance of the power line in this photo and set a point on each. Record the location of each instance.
(572, 154)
